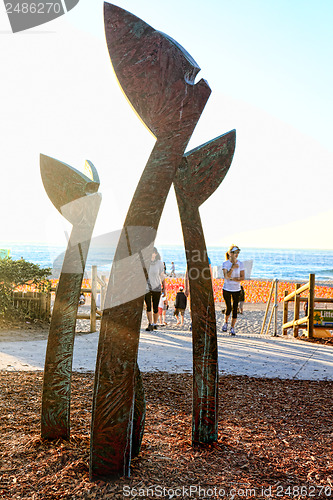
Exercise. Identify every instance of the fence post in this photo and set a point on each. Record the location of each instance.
(29, 303)
(267, 308)
(285, 313)
(48, 306)
(103, 292)
(276, 306)
(311, 305)
(43, 305)
(296, 310)
(93, 299)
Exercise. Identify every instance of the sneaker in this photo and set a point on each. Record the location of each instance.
(225, 327)
(154, 327)
(232, 331)
(149, 328)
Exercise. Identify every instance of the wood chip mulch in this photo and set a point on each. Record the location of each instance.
(275, 441)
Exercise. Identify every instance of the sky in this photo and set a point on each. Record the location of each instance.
(269, 65)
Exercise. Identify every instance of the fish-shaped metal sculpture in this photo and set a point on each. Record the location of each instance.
(75, 195)
(157, 76)
(200, 173)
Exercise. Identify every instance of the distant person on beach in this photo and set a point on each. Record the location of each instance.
(162, 309)
(241, 300)
(173, 270)
(155, 286)
(82, 299)
(164, 265)
(180, 306)
(233, 272)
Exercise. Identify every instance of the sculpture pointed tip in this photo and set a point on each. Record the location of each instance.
(110, 8)
(64, 183)
(42, 158)
(137, 50)
(91, 172)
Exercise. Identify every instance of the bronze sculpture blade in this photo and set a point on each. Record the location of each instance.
(171, 106)
(151, 69)
(75, 196)
(201, 172)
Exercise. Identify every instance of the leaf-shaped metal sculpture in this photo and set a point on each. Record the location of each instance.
(200, 173)
(153, 70)
(75, 196)
(157, 76)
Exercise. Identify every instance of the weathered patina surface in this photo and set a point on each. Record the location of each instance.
(75, 196)
(157, 76)
(200, 173)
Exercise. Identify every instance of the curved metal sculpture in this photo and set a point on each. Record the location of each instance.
(75, 196)
(157, 76)
(199, 175)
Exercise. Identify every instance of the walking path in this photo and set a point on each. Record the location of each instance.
(171, 350)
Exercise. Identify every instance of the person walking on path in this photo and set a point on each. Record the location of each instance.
(233, 272)
(173, 270)
(180, 306)
(162, 309)
(155, 285)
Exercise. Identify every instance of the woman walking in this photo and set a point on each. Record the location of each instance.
(233, 272)
(155, 286)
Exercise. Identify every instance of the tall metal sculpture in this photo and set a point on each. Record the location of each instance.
(75, 196)
(200, 173)
(157, 76)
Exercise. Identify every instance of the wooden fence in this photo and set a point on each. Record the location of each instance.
(34, 304)
(308, 321)
(98, 286)
(297, 322)
(38, 304)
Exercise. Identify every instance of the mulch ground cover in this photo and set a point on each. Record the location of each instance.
(275, 441)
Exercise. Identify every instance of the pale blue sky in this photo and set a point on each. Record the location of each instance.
(269, 65)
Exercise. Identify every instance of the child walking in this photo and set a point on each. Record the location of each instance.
(162, 309)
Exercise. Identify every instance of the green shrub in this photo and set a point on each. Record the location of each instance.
(14, 273)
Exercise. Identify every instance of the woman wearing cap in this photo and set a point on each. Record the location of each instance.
(233, 271)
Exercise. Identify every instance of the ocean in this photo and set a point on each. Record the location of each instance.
(268, 263)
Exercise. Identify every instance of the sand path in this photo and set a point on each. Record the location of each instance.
(170, 349)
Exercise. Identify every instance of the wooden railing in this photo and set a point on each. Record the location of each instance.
(97, 286)
(306, 321)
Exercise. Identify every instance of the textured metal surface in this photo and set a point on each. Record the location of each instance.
(200, 173)
(157, 76)
(139, 414)
(75, 196)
